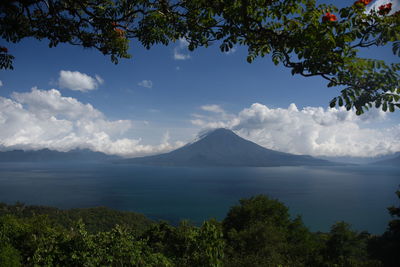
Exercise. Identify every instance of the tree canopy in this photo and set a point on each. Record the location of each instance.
(259, 231)
(310, 39)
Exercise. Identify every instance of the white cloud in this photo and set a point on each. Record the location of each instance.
(99, 79)
(217, 120)
(146, 83)
(46, 119)
(180, 49)
(312, 130)
(78, 81)
(165, 139)
(1, 83)
(212, 108)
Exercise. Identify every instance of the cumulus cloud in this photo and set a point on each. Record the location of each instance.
(312, 130)
(46, 119)
(146, 84)
(180, 49)
(78, 81)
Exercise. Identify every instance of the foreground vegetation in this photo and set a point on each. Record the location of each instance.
(257, 232)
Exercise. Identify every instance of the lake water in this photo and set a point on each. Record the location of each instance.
(322, 195)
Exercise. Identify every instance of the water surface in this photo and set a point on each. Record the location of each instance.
(322, 195)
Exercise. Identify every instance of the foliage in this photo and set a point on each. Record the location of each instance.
(43, 244)
(386, 247)
(95, 219)
(117, 247)
(309, 39)
(394, 225)
(188, 245)
(30, 239)
(9, 256)
(257, 232)
(345, 247)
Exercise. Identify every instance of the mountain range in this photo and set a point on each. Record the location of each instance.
(395, 161)
(47, 155)
(362, 160)
(219, 147)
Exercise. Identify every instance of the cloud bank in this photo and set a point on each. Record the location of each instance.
(78, 81)
(46, 119)
(312, 130)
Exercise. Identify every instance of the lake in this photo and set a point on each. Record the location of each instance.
(322, 195)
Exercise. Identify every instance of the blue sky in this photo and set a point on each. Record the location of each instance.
(169, 91)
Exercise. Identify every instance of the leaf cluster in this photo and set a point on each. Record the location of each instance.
(292, 31)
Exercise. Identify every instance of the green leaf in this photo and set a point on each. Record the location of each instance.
(384, 106)
(332, 104)
(396, 48)
(340, 101)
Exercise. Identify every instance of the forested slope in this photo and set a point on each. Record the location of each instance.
(257, 232)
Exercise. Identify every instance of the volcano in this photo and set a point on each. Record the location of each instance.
(222, 147)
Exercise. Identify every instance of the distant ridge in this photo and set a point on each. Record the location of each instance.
(222, 147)
(393, 161)
(47, 155)
(360, 160)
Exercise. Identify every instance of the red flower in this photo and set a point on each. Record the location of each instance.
(362, 3)
(120, 32)
(3, 49)
(385, 9)
(329, 17)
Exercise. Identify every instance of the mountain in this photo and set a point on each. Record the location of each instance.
(360, 160)
(393, 161)
(222, 147)
(47, 155)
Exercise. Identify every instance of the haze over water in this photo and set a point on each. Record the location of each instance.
(322, 195)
